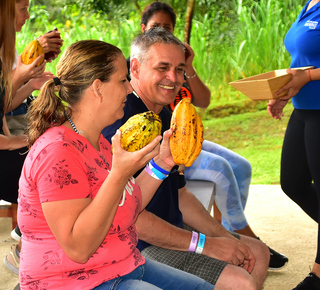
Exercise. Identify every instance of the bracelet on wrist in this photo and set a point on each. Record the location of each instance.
(155, 173)
(193, 242)
(193, 76)
(158, 167)
(200, 246)
(310, 79)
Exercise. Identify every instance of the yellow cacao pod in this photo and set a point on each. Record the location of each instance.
(31, 52)
(187, 138)
(140, 130)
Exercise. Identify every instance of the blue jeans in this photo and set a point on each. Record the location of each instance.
(153, 275)
(231, 174)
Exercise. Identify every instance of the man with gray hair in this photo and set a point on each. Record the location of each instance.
(207, 250)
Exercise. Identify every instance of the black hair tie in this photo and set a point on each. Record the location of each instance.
(56, 81)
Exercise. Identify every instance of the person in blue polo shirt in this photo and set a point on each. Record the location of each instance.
(300, 161)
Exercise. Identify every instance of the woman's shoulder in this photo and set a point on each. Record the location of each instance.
(55, 140)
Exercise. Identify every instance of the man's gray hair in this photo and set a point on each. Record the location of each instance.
(141, 44)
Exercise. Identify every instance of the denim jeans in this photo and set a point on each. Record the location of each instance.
(231, 174)
(153, 275)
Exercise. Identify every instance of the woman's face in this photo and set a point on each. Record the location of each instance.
(115, 91)
(22, 7)
(159, 19)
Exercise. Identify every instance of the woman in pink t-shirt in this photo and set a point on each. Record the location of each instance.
(78, 201)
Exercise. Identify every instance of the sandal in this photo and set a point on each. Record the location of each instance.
(12, 261)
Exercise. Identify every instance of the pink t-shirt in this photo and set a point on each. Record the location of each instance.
(63, 165)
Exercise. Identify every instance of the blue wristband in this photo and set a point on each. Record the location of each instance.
(158, 167)
(155, 173)
(202, 239)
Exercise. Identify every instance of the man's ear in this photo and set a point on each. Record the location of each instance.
(143, 27)
(96, 88)
(135, 68)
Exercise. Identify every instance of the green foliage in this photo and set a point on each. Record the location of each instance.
(255, 136)
(232, 39)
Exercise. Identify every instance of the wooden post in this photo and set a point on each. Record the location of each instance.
(188, 24)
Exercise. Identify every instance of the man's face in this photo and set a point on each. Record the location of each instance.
(162, 74)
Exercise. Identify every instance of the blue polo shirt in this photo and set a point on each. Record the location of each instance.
(165, 202)
(303, 43)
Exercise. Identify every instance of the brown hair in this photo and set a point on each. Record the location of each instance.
(154, 8)
(81, 64)
(7, 43)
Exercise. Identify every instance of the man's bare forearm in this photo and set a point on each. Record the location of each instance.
(196, 216)
(158, 232)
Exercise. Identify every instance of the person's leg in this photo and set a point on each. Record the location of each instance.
(216, 272)
(166, 277)
(295, 174)
(152, 276)
(131, 281)
(304, 130)
(12, 259)
(242, 172)
(211, 167)
(262, 255)
(241, 167)
(234, 277)
(229, 199)
(312, 141)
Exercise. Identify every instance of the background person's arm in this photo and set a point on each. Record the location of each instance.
(200, 92)
(9, 142)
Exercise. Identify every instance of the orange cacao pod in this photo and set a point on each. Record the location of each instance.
(31, 52)
(187, 138)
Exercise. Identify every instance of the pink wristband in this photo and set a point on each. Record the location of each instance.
(193, 243)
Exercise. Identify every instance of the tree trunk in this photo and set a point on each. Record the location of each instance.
(137, 6)
(189, 16)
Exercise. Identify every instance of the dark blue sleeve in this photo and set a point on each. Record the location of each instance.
(133, 106)
(109, 131)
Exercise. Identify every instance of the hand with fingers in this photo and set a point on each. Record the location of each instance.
(275, 108)
(51, 43)
(189, 55)
(37, 83)
(230, 250)
(26, 72)
(164, 158)
(128, 163)
(299, 79)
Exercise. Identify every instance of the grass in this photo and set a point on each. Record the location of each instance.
(254, 135)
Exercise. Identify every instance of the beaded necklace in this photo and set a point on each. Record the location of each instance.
(128, 186)
(73, 125)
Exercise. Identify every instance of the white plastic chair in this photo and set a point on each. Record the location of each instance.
(203, 190)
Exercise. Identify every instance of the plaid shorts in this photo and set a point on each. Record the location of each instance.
(202, 266)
